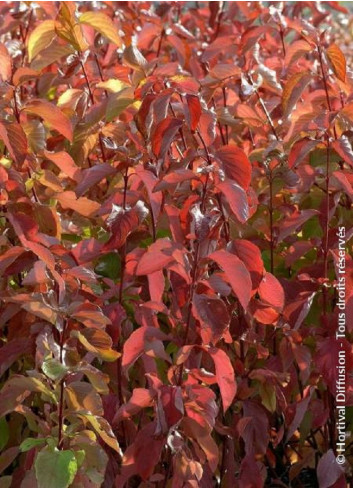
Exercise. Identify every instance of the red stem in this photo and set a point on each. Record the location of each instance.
(62, 388)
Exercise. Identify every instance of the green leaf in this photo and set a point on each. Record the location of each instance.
(109, 266)
(29, 443)
(54, 369)
(268, 396)
(55, 468)
(118, 102)
(4, 433)
(80, 457)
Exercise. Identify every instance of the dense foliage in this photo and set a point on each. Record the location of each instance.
(173, 176)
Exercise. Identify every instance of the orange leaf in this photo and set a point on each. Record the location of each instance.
(293, 90)
(52, 115)
(103, 24)
(15, 140)
(338, 61)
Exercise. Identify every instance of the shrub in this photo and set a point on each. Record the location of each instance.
(176, 178)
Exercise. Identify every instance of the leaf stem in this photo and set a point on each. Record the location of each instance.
(264, 108)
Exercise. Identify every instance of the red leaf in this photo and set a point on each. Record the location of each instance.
(299, 151)
(141, 398)
(87, 250)
(155, 197)
(326, 359)
(342, 182)
(195, 111)
(65, 163)
(9, 256)
(135, 345)
(82, 205)
(236, 164)
(213, 316)
(144, 453)
(236, 198)
(15, 140)
(157, 257)
(11, 351)
(177, 176)
(293, 222)
(343, 148)
(156, 284)
(250, 474)
(170, 408)
(224, 375)
(296, 50)
(271, 291)
(250, 255)
(164, 135)
(122, 222)
(253, 427)
(338, 61)
(301, 408)
(207, 127)
(236, 274)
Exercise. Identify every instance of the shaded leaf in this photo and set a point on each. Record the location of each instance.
(164, 135)
(91, 176)
(343, 148)
(328, 470)
(213, 316)
(52, 115)
(98, 342)
(15, 140)
(300, 150)
(122, 222)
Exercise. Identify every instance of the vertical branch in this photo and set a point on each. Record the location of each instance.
(281, 32)
(324, 79)
(195, 263)
(62, 388)
(120, 298)
(16, 110)
(100, 139)
(270, 209)
(264, 108)
(327, 213)
(225, 105)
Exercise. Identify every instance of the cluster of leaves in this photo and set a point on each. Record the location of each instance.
(172, 179)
